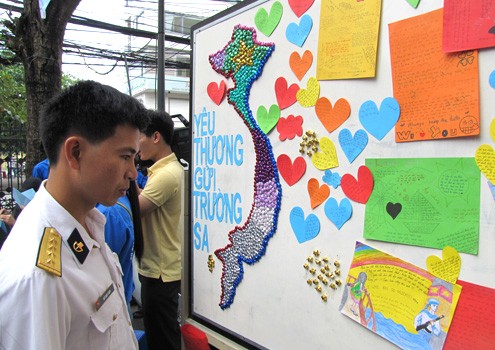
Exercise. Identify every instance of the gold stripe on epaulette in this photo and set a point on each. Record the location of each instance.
(49, 258)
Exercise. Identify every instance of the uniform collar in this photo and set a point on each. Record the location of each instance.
(73, 234)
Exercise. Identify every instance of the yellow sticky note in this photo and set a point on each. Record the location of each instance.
(447, 268)
(308, 97)
(348, 39)
(485, 159)
(326, 158)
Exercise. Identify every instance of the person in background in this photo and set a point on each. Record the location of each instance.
(60, 284)
(42, 169)
(8, 218)
(160, 204)
(142, 173)
(123, 223)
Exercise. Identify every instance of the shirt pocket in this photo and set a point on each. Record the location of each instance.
(103, 322)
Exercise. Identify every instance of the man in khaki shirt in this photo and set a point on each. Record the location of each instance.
(161, 211)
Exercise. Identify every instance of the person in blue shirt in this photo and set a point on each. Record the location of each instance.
(42, 169)
(122, 233)
(141, 179)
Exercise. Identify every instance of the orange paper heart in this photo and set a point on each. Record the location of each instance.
(300, 65)
(317, 194)
(332, 117)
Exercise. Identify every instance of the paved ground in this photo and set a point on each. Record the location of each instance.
(137, 321)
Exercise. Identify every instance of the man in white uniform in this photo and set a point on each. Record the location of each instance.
(60, 285)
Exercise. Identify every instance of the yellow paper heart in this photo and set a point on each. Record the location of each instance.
(485, 159)
(447, 268)
(492, 129)
(326, 158)
(308, 97)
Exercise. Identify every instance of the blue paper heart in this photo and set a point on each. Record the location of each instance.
(297, 34)
(305, 229)
(332, 179)
(379, 122)
(492, 188)
(352, 146)
(338, 214)
(491, 79)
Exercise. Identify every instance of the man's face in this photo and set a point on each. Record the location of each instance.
(434, 308)
(108, 167)
(145, 146)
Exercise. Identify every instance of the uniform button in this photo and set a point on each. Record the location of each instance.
(114, 317)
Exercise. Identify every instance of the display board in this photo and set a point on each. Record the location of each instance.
(333, 142)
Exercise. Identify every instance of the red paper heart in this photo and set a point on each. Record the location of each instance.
(291, 172)
(216, 91)
(300, 6)
(286, 96)
(358, 190)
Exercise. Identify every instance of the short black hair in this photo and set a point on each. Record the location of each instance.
(88, 109)
(162, 122)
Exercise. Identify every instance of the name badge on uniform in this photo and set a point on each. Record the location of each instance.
(104, 297)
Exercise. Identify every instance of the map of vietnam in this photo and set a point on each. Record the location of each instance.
(243, 59)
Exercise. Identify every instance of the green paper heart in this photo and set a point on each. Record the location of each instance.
(267, 119)
(266, 23)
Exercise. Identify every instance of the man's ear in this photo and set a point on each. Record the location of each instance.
(156, 137)
(72, 149)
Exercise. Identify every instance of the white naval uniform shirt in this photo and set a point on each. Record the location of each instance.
(39, 310)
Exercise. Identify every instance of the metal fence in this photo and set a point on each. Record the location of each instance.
(12, 159)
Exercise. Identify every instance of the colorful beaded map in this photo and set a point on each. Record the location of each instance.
(243, 59)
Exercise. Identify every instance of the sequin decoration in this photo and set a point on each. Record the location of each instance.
(243, 59)
(330, 279)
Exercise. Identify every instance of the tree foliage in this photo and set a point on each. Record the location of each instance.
(38, 42)
(13, 91)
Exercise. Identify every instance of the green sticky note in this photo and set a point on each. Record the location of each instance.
(427, 202)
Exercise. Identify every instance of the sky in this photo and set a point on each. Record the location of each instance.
(115, 12)
(109, 11)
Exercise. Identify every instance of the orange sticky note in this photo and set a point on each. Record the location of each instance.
(438, 93)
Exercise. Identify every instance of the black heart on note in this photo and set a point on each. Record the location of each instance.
(394, 209)
(492, 30)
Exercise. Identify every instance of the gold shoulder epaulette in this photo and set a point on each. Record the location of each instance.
(49, 258)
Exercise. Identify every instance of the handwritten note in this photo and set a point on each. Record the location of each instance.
(387, 295)
(348, 39)
(438, 93)
(439, 197)
(474, 320)
(485, 159)
(468, 25)
(448, 267)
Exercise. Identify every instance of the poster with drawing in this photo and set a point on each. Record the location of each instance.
(315, 125)
(397, 300)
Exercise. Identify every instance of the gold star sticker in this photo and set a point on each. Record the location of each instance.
(244, 56)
